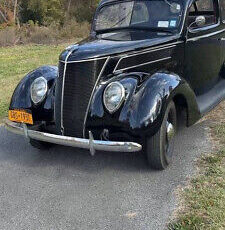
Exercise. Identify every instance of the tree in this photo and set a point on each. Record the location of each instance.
(82, 10)
(45, 12)
(42, 11)
(3, 16)
(15, 10)
(8, 10)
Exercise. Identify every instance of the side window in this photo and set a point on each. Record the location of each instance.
(206, 8)
(140, 13)
(222, 3)
(205, 5)
(192, 9)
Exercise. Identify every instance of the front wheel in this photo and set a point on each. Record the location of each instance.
(159, 148)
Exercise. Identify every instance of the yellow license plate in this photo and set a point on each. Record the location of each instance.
(21, 116)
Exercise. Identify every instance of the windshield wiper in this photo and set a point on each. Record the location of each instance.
(153, 29)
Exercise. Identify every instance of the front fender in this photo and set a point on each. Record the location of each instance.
(145, 105)
(21, 98)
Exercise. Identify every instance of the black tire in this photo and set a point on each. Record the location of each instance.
(40, 144)
(159, 148)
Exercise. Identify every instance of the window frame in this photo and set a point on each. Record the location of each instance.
(206, 27)
(221, 11)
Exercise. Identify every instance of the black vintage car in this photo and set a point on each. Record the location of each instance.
(124, 88)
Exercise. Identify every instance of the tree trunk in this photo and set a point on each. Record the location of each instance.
(69, 5)
(15, 10)
(3, 16)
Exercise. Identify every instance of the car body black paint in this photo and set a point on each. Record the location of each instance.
(21, 97)
(154, 67)
(143, 92)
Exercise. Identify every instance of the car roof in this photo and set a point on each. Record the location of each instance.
(104, 1)
(108, 1)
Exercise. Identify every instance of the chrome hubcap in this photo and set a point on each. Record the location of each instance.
(170, 132)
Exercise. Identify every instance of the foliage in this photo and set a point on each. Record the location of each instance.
(41, 11)
(7, 36)
(52, 34)
(83, 10)
(46, 12)
(7, 10)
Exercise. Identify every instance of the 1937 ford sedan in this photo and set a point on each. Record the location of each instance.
(124, 87)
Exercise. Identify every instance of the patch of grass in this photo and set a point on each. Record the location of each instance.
(204, 199)
(17, 61)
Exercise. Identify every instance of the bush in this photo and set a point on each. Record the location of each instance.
(72, 29)
(42, 35)
(8, 36)
(41, 11)
(84, 13)
(33, 33)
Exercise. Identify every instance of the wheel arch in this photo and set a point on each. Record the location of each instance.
(182, 109)
(186, 105)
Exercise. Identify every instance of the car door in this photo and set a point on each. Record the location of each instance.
(203, 60)
(222, 7)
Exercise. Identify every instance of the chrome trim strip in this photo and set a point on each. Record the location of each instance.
(144, 52)
(147, 49)
(91, 144)
(205, 36)
(159, 47)
(187, 5)
(83, 60)
(63, 85)
(204, 28)
(92, 94)
(151, 62)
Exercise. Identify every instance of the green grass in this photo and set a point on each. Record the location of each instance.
(204, 199)
(17, 61)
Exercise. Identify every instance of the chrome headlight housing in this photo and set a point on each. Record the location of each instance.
(114, 96)
(38, 90)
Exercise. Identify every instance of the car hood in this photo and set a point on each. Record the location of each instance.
(115, 43)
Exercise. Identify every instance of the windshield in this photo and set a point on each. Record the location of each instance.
(156, 15)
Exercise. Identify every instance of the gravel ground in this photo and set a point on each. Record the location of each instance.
(66, 188)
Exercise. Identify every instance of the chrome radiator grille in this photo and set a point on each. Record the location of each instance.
(79, 82)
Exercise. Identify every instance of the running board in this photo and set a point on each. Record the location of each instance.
(208, 101)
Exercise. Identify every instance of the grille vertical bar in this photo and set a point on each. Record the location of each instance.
(58, 98)
(79, 82)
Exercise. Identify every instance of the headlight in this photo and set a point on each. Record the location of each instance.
(38, 90)
(114, 96)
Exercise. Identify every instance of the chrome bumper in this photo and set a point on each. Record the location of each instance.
(90, 143)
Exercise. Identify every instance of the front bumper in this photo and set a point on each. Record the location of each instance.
(91, 144)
